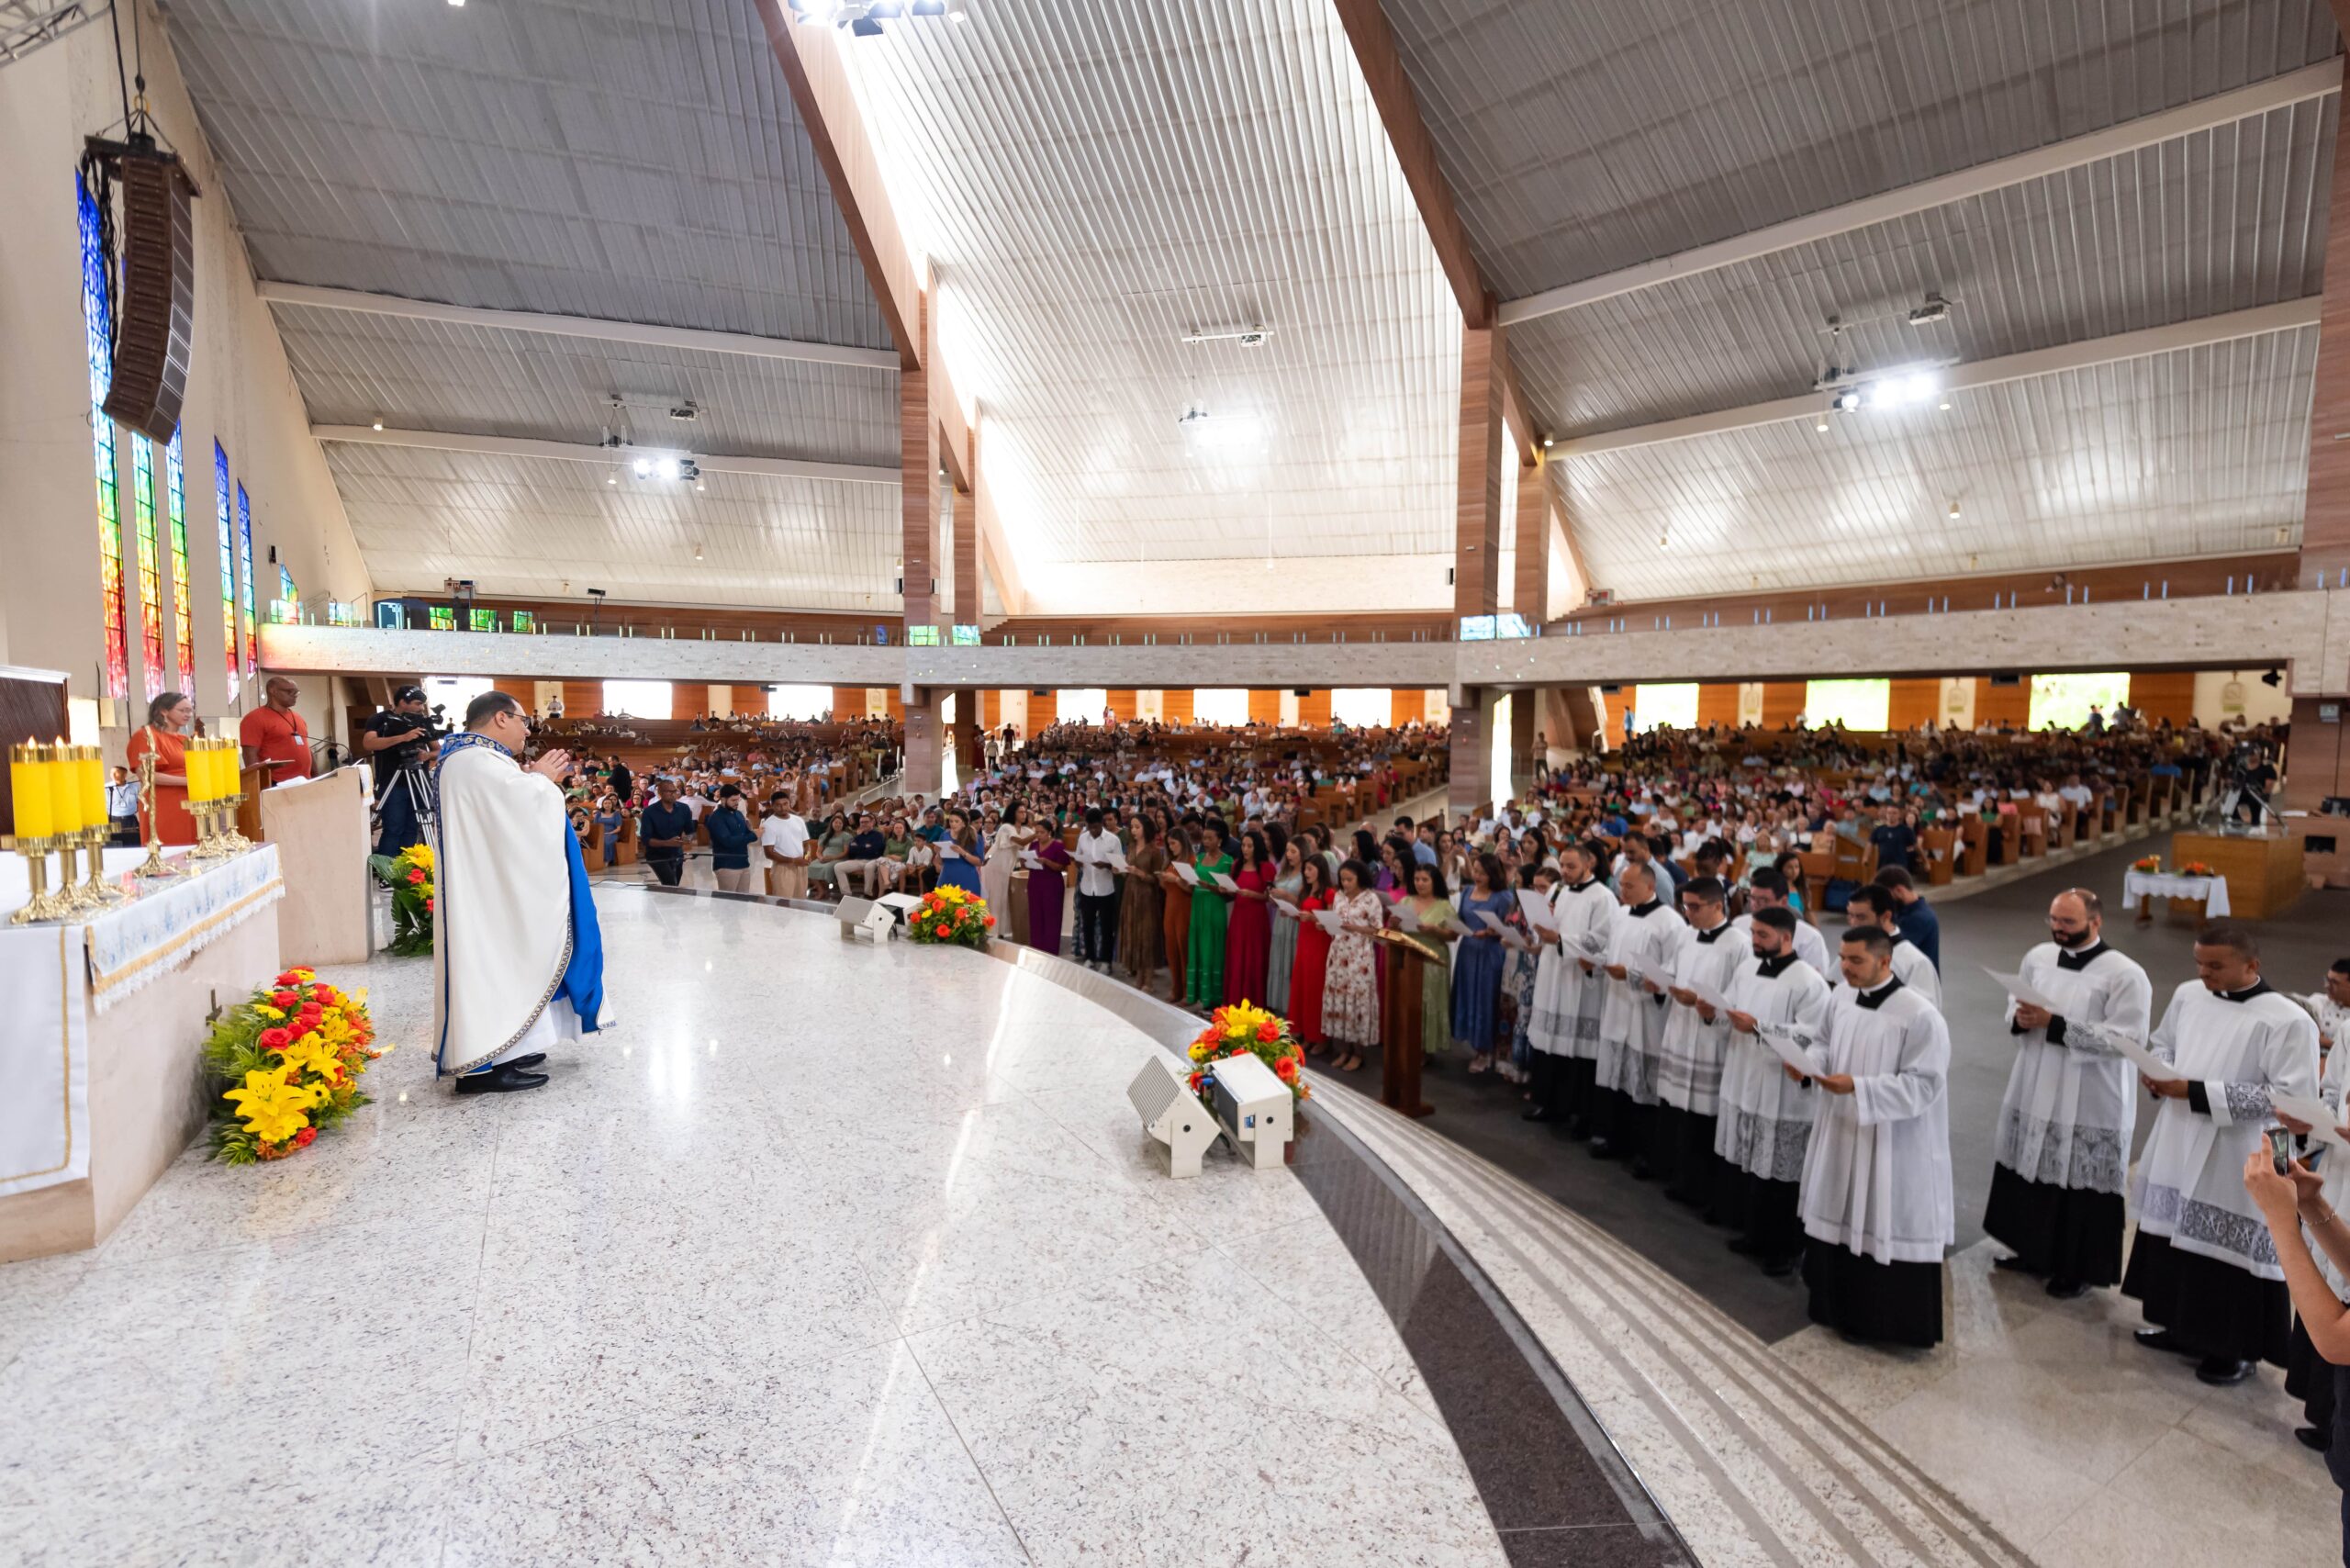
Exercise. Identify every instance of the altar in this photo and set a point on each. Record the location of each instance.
(2262, 870)
(102, 1019)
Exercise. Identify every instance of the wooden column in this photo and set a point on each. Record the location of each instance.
(1477, 557)
(917, 490)
(1467, 790)
(1529, 594)
(2325, 526)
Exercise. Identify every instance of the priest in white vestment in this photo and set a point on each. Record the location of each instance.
(1876, 1185)
(1874, 906)
(1569, 990)
(518, 959)
(1767, 1113)
(2203, 1267)
(1689, 1064)
(1640, 957)
(2071, 1106)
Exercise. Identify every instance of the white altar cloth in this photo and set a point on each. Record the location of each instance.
(54, 977)
(2213, 890)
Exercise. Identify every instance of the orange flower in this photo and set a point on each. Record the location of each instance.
(1286, 1070)
(1269, 1031)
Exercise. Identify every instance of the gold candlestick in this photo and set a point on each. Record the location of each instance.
(154, 865)
(68, 894)
(43, 905)
(98, 890)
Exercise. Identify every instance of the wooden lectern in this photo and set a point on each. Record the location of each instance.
(1401, 1048)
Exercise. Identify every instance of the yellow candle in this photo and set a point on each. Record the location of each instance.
(94, 788)
(64, 804)
(200, 775)
(29, 785)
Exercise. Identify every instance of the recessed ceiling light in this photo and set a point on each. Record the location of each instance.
(378, 425)
(1822, 426)
(1953, 508)
(1945, 405)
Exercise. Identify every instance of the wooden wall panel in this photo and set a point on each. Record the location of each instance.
(1409, 705)
(1175, 705)
(1042, 711)
(1909, 703)
(1783, 702)
(1314, 709)
(2164, 694)
(1717, 703)
(897, 708)
(1264, 706)
(991, 707)
(582, 698)
(522, 691)
(1122, 703)
(848, 701)
(2009, 704)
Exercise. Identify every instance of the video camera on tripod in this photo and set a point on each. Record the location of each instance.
(2245, 780)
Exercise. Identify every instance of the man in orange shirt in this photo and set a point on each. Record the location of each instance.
(277, 736)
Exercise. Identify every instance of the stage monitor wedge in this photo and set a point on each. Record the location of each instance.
(155, 308)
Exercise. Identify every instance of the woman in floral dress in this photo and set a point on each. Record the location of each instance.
(1350, 994)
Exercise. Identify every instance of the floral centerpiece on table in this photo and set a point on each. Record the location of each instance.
(952, 916)
(287, 1064)
(410, 876)
(1244, 1029)
(2196, 868)
(2149, 864)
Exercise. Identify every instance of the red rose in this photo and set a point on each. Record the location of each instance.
(1269, 1031)
(990, 921)
(428, 905)
(302, 1139)
(1198, 1078)
(415, 877)
(283, 998)
(276, 1039)
(1286, 1070)
(941, 931)
(288, 977)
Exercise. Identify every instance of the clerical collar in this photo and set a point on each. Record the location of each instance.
(2258, 987)
(1774, 968)
(1642, 911)
(1710, 936)
(1588, 882)
(1873, 1000)
(2069, 958)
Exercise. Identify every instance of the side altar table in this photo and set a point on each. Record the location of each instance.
(103, 1018)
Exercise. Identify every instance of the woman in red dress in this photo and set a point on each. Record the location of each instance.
(165, 735)
(1312, 961)
(1249, 934)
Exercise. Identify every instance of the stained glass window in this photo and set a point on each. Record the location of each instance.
(443, 617)
(183, 589)
(150, 583)
(286, 589)
(523, 620)
(101, 351)
(482, 620)
(228, 562)
(245, 560)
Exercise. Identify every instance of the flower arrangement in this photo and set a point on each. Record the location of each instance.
(952, 916)
(410, 876)
(2196, 868)
(288, 1064)
(1243, 1029)
(2150, 863)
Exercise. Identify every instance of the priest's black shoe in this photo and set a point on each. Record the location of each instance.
(529, 1060)
(1538, 1113)
(2316, 1438)
(1640, 1169)
(1744, 1246)
(2222, 1371)
(2160, 1339)
(503, 1079)
(1577, 1129)
(2067, 1290)
(2014, 1265)
(1602, 1148)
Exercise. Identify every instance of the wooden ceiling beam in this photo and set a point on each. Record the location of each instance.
(818, 80)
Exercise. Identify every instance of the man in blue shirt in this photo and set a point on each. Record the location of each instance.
(667, 827)
(1920, 925)
(731, 837)
(868, 854)
(1896, 841)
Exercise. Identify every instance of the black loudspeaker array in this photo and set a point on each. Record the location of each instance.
(155, 305)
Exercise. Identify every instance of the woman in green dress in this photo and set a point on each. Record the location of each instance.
(1211, 909)
(1439, 923)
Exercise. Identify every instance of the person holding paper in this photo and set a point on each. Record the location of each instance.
(1647, 943)
(1097, 892)
(1351, 993)
(1876, 1182)
(2070, 1104)
(1288, 886)
(2202, 1266)
(1874, 906)
(1477, 967)
(1568, 990)
(1248, 937)
(1437, 924)
(1047, 860)
(1210, 916)
(1309, 975)
(960, 856)
(1176, 914)
(1766, 887)
(1764, 1128)
(1143, 918)
(1696, 1035)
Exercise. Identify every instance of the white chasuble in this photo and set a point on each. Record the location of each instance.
(1766, 1116)
(2236, 1050)
(517, 956)
(1567, 1000)
(2072, 1099)
(1876, 1177)
(1689, 1064)
(1631, 1018)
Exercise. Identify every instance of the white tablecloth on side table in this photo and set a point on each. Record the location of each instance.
(2213, 890)
(52, 978)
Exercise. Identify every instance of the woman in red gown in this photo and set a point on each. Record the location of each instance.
(1312, 961)
(1248, 935)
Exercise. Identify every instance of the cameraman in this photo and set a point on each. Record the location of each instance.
(396, 740)
(2254, 779)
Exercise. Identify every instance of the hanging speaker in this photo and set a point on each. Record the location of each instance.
(155, 311)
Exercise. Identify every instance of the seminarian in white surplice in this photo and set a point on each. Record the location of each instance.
(1766, 1115)
(518, 958)
(1647, 944)
(1876, 1184)
(2070, 1104)
(1568, 994)
(1696, 1037)
(2203, 1267)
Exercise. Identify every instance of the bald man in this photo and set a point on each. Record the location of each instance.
(275, 735)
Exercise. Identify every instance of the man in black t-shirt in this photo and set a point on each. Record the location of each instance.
(395, 740)
(1896, 841)
(665, 829)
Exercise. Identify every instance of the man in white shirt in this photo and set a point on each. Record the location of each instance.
(1766, 887)
(2070, 1104)
(783, 842)
(1097, 892)
(2204, 1265)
